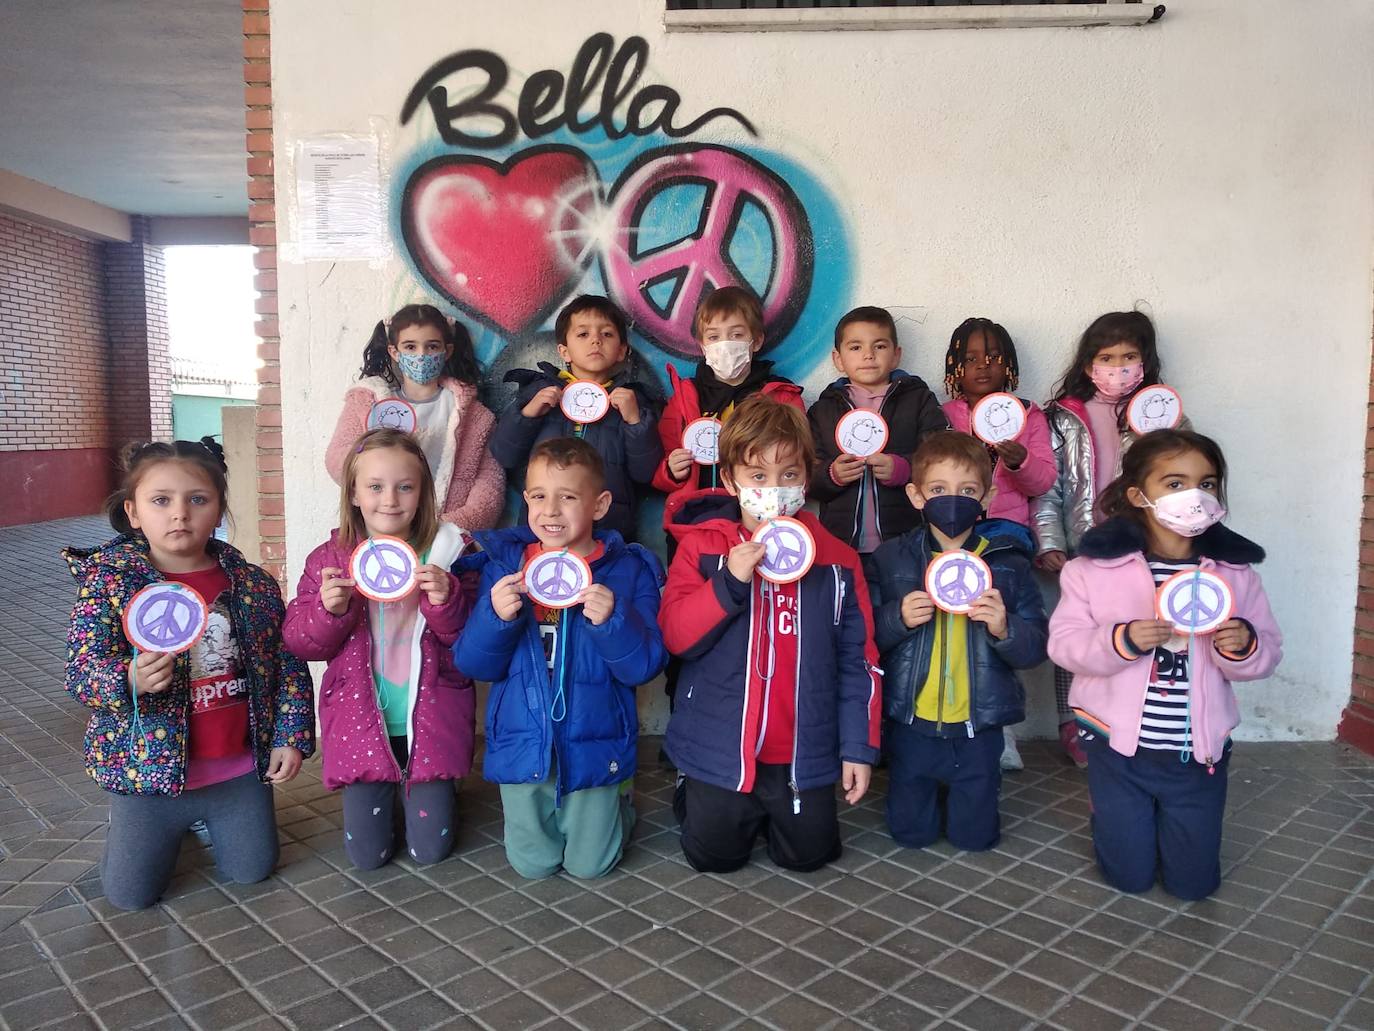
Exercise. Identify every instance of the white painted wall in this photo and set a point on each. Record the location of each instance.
(1215, 166)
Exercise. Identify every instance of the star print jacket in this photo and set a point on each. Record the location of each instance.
(996, 697)
(281, 702)
(593, 728)
(442, 700)
(1109, 585)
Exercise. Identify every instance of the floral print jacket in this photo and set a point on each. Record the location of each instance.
(281, 699)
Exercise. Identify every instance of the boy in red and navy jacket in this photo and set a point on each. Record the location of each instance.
(768, 717)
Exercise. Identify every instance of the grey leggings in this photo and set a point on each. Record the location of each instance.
(370, 823)
(146, 830)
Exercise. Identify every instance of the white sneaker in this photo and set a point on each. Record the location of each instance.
(1011, 757)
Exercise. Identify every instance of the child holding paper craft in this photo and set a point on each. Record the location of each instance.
(951, 661)
(566, 626)
(783, 694)
(418, 356)
(1116, 357)
(861, 498)
(1154, 654)
(621, 423)
(199, 731)
(376, 601)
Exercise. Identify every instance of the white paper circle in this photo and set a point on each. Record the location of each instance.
(998, 417)
(383, 568)
(165, 617)
(789, 550)
(1155, 408)
(861, 433)
(584, 401)
(1195, 601)
(556, 579)
(392, 413)
(957, 579)
(702, 438)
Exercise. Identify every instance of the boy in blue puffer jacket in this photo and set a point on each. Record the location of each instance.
(950, 678)
(561, 724)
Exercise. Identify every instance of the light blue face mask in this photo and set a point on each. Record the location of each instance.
(421, 368)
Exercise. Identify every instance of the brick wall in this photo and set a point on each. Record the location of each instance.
(262, 234)
(1357, 722)
(136, 316)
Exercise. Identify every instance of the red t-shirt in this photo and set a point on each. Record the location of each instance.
(773, 668)
(217, 746)
(549, 620)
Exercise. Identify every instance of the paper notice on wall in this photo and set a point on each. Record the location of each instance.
(341, 211)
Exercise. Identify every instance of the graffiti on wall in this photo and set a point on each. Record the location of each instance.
(623, 193)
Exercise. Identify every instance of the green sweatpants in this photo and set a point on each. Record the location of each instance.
(586, 835)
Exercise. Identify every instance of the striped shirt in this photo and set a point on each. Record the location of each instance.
(1164, 725)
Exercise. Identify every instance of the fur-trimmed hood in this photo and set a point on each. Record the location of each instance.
(1120, 537)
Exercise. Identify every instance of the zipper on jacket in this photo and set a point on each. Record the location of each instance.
(796, 713)
(944, 668)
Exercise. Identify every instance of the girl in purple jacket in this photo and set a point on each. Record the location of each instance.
(1154, 702)
(394, 711)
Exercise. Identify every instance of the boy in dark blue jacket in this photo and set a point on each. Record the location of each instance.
(951, 680)
(779, 696)
(561, 723)
(593, 341)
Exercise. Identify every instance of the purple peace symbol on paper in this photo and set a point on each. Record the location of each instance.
(556, 577)
(960, 581)
(385, 568)
(1194, 602)
(785, 549)
(168, 621)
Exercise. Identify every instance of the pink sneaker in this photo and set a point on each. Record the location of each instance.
(1068, 738)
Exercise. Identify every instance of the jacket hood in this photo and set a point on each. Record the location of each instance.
(900, 379)
(128, 553)
(1121, 536)
(546, 374)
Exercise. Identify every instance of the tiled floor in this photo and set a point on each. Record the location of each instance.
(1023, 936)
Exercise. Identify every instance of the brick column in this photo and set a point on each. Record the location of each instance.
(136, 318)
(262, 234)
(1357, 722)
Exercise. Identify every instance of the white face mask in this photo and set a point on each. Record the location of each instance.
(728, 359)
(765, 503)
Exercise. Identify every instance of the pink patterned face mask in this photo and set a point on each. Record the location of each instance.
(1188, 512)
(1114, 381)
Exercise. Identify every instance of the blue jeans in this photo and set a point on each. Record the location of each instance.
(965, 770)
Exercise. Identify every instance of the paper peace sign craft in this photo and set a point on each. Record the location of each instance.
(998, 417)
(556, 579)
(383, 568)
(1195, 601)
(393, 413)
(702, 438)
(1155, 408)
(165, 617)
(957, 579)
(585, 401)
(789, 550)
(861, 433)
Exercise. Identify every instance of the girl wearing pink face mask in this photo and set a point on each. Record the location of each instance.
(1155, 708)
(1116, 357)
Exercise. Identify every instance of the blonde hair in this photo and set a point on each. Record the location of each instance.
(425, 525)
(757, 424)
(729, 300)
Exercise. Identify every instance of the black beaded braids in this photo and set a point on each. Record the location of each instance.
(462, 361)
(957, 354)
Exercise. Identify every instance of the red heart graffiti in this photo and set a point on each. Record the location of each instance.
(505, 242)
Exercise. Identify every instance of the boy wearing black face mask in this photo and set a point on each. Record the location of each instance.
(950, 683)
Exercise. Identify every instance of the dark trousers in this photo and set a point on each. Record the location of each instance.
(949, 781)
(719, 827)
(369, 809)
(1156, 815)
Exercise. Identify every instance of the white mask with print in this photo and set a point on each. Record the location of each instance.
(765, 503)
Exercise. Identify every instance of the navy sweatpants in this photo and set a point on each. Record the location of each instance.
(969, 768)
(1156, 815)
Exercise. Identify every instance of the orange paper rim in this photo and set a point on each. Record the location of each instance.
(973, 417)
(414, 415)
(586, 568)
(584, 382)
(807, 535)
(358, 581)
(943, 559)
(1130, 408)
(887, 430)
(162, 585)
(687, 432)
(1189, 574)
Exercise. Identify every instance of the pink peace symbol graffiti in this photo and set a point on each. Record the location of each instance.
(789, 550)
(701, 261)
(957, 579)
(555, 579)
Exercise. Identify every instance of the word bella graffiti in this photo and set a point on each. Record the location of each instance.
(537, 111)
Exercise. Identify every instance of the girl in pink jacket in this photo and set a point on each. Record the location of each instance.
(1154, 702)
(425, 364)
